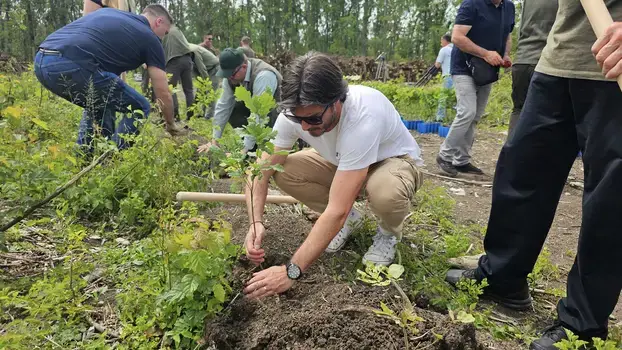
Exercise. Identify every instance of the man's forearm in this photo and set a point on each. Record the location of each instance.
(508, 45)
(324, 230)
(467, 45)
(222, 113)
(166, 103)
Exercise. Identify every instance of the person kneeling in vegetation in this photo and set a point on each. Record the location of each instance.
(82, 61)
(358, 142)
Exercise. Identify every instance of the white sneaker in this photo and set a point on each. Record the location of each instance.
(382, 251)
(354, 220)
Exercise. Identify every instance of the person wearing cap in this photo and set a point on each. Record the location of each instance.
(257, 77)
(81, 62)
(206, 66)
(245, 45)
(179, 65)
(360, 146)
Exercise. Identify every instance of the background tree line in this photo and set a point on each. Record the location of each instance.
(403, 29)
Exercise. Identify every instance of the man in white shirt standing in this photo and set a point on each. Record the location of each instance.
(359, 143)
(443, 61)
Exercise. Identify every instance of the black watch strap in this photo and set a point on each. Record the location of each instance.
(293, 271)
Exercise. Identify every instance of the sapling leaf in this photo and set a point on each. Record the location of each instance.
(395, 271)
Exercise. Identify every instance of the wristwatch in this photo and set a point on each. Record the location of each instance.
(293, 271)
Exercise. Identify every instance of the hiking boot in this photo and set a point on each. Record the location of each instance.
(446, 167)
(354, 219)
(518, 300)
(469, 169)
(550, 336)
(382, 251)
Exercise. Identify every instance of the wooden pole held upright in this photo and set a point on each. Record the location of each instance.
(600, 19)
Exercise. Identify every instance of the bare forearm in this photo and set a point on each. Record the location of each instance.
(165, 101)
(324, 230)
(466, 45)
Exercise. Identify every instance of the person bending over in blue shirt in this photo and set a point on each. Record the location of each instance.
(82, 61)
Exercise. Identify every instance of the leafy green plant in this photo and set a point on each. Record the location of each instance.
(543, 271)
(406, 319)
(246, 167)
(378, 275)
(572, 343)
(197, 261)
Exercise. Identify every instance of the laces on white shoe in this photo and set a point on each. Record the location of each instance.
(382, 251)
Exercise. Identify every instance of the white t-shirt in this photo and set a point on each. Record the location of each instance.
(370, 130)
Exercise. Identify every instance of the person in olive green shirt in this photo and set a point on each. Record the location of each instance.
(206, 66)
(537, 17)
(574, 103)
(179, 64)
(245, 45)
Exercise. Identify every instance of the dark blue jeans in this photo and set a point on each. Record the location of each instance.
(101, 94)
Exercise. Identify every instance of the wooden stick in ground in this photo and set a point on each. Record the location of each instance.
(470, 182)
(55, 194)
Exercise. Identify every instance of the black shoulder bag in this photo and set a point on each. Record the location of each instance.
(482, 72)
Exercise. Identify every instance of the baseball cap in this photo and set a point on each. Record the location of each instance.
(230, 59)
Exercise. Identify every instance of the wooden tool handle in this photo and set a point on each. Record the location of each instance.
(229, 198)
(600, 19)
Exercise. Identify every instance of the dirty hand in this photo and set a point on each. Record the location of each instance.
(254, 237)
(493, 58)
(507, 61)
(175, 130)
(206, 147)
(268, 282)
(608, 51)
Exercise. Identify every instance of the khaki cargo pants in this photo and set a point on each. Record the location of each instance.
(390, 186)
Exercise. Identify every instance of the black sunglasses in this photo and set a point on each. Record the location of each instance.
(235, 72)
(312, 120)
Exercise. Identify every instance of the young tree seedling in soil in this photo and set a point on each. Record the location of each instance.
(247, 167)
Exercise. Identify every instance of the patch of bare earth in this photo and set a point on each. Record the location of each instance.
(326, 309)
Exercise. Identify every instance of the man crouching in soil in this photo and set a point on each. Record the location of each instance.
(358, 142)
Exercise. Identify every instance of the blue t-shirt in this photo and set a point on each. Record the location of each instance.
(485, 21)
(110, 40)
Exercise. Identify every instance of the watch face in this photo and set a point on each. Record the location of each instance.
(293, 271)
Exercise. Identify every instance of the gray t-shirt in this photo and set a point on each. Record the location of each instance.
(537, 18)
(568, 51)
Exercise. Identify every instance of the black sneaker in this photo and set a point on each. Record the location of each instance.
(469, 169)
(446, 167)
(518, 300)
(550, 336)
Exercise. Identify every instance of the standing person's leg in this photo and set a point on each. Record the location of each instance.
(212, 106)
(466, 94)
(521, 77)
(595, 282)
(186, 82)
(391, 186)
(462, 160)
(174, 67)
(442, 101)
(530, 176)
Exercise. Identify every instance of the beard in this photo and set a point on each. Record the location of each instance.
(318, 131)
